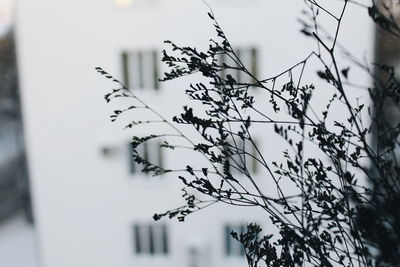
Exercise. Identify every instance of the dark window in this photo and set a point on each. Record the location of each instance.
(150, 239)
(149, 151)
(165, 239)
(138, 247)
(243, 155)
(248, 57)
(140, 69)
(232, 246)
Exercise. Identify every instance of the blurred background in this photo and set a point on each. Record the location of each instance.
(83, 201)
(17, 234)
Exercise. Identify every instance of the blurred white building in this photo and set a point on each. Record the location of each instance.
(5, 15)
(92, 206)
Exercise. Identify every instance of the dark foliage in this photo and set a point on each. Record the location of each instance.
(345, 211)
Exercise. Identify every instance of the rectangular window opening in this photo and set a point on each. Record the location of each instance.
(150, 239)
(233, 248)
(140, 69)
(243, 156)
(150, 151)
(248, 56)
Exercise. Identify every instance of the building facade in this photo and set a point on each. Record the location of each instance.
(14, 186)
(93, 207)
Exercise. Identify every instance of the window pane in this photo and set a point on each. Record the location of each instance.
(155, 69)
(160, 156)
(226, 59)
(232, 246)
(140, 69)
(236, 246)
(136, 233)
(144, 153)
(238, 158)
(148, 70)
(149, 151)
(140, 75)
(125, 68)
(134, 70)
(254, 62)
(241, 248)
(237, 73)
(243, 153)
(160, 239)
(228, 237)
(220, 61)
(132, 163)
(144, 238)
(157, 232)
(254, 163)
(246, 59)
(142, 150)
(151, 238)
(153, 151)
(165, 239)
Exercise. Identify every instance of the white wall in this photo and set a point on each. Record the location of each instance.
(85, 203)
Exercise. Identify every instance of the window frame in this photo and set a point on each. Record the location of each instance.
(145, 150)
(232, 247)
(240, 158)
(252, 64)
(150, 239)
(133, 69)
